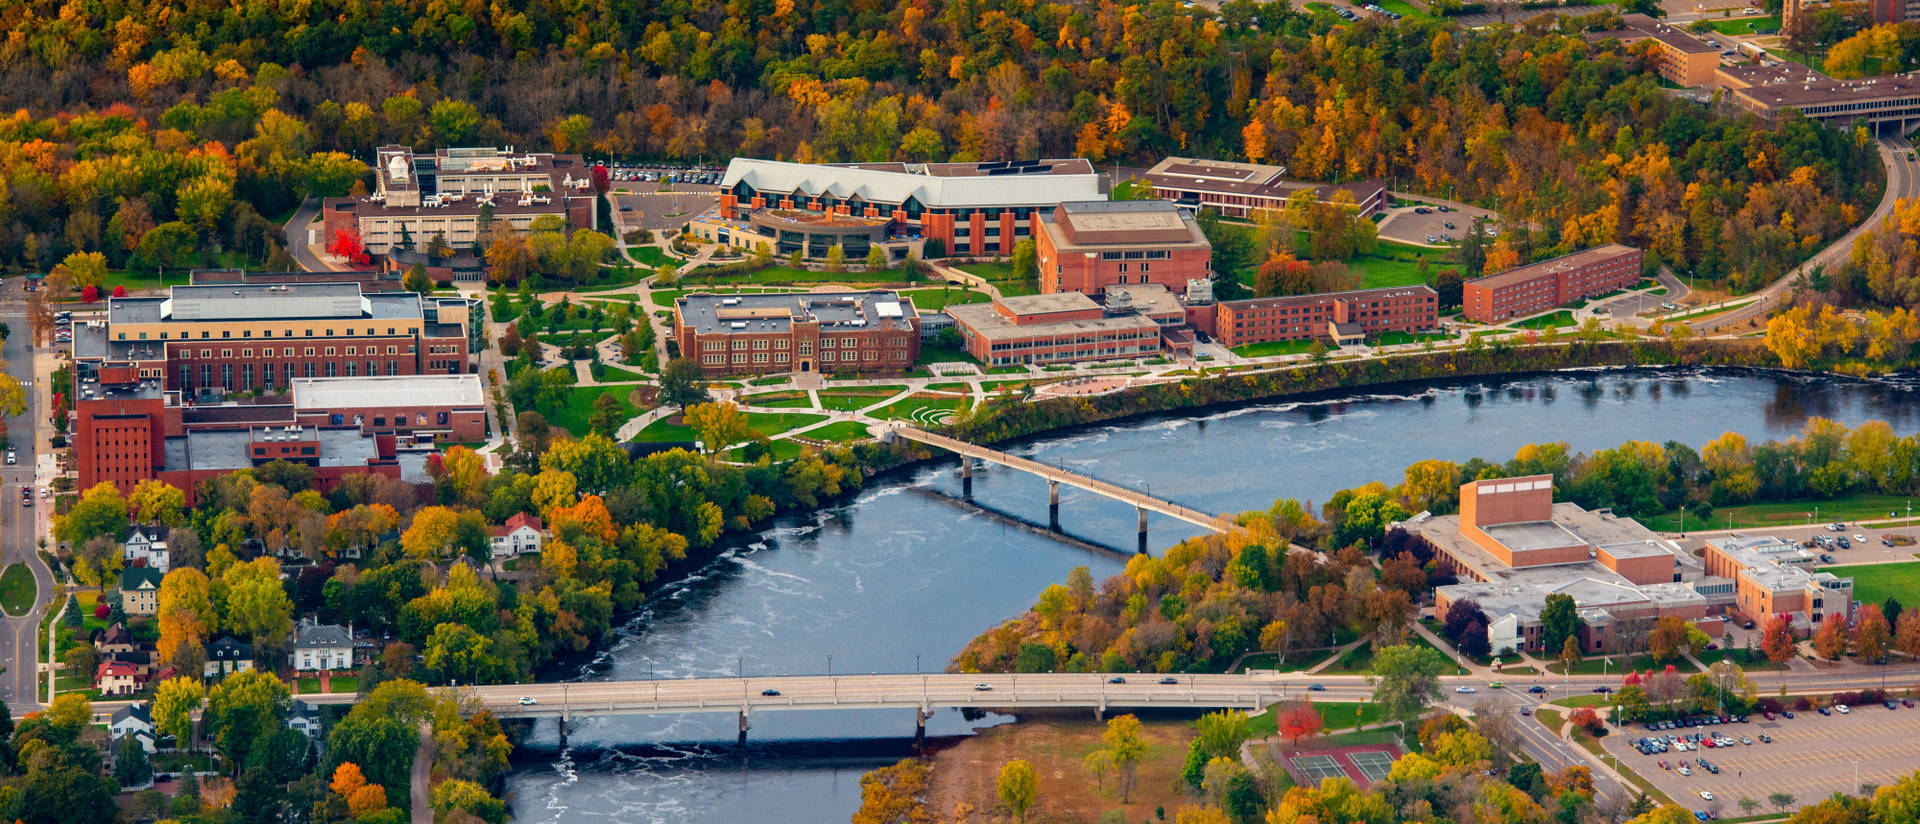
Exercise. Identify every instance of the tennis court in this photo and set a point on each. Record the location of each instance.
(1373, 765)
(1318, 768)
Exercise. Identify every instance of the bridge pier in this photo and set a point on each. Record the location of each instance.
(966, 477)
(920, 717)
(1053, 505)
(744, 725)
(1143, 529)
(563, 731)
(1100, 713)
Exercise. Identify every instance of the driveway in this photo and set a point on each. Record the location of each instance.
(1407, 225)
(294, 236)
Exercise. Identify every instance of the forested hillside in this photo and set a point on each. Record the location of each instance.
(241, 102)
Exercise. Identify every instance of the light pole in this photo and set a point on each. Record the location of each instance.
(829, 665)
(916, 663)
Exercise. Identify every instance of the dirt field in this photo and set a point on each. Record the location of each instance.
(1056, 745)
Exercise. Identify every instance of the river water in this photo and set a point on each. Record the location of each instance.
(904, 575)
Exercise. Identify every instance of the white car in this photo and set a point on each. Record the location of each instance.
(527, 699)
(1686, 770)
(1706, 796)
(1859, 539)
(1465, 690)
(1841, 708)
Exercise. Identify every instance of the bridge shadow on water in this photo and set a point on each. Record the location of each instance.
(1017, 522)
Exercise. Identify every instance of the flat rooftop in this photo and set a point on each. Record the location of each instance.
(1235, 177)
(230, 449)
(1640, 26)
(1289, 301)
(1119, 223)
(1047, 303)
(1531, 535)
(388, 390)
(770, 312)
(1789, 87)
(998, 168)
(1564, 263)
(983, 319)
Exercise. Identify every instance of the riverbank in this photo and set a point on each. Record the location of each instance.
(1057, 744)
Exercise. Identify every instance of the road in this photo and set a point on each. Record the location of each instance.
(19, 534)
(295, 236)
(1903, 181)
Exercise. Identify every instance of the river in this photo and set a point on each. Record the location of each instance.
(903, 575)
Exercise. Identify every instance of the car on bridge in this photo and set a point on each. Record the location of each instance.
(1169, 680)
(528, 699)
(982, 687)
(770, 693)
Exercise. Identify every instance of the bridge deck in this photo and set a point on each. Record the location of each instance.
(1053, 473)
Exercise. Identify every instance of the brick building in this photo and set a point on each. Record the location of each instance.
(1239, 189)
(1772, 576)
(970, 208)
(832, 332)
(128, 430)
(1086, 246)
(417, 196)
(1537, 287)
(1055, 328)
(1341, 316)
(1682, 58)
(243, 337)
(1513, 546)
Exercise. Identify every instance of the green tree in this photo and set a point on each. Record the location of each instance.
(1222, 733)
(680, 384)
(1559, 620)
(1026, 260)
(417, 281)
(1017, 787)
(607, 415)
(174, 703)
(1406, 680)
(130, 765)
(720, 425)
(876, 259)
(241, 710)
(101, 511)
(257, 605)
(837, 259)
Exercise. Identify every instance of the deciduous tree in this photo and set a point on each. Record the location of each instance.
(1017, 787)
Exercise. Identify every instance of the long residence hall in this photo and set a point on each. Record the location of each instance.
(1512, 546)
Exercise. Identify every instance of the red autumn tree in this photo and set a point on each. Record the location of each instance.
(602, 179)
(120, 291)
(346, 243)
(90, 294)
(1586, 717)
(1778, 641)
(1298, 720)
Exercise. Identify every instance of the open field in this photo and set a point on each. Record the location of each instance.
(577, 412)
(1273, 347)
(1057, 745)
(1875, 583)
(1747, 25)
(1850, 508)
(1555, 320)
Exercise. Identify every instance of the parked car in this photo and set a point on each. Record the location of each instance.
(1859, 538)
(1825, 711)
(1765, 738)
(1465, 690)
(1841, 708)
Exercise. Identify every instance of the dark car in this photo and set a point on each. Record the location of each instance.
(1537, 690)
(1117, 680)
(770, 692)
(1892, 706)
(1603, 689)
(1317, 688)
(1765, 738)
(1825, 711)
(1786, 713)
(1169, 680)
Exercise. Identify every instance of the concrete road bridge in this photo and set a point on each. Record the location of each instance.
(1142, 502)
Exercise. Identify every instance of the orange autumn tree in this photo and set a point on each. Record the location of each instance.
(1299, 720)
(362, 798)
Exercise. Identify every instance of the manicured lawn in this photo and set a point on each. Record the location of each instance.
(1713, 309)
(1850, 508)
(848, 400)
(779, 400)
(1757, 660)
(841, 431)
(855, 274)
(661, 432)
(937, 354)
(575, 415)
(1402, 8)
(774, 423)
(651, 256)
(16, 589)
(933, 300)
(1746, 25)
(1576, 701)
(1000, 274)
(142, 281)
(339, 683)
(1875, 583)
(1552, 321)
(1273, 347)
(1398, 338)
(1599, 666)
(931, 411)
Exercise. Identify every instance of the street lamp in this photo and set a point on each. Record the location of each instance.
(829, 665)
(916, 663)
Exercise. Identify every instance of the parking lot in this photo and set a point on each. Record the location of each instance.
(1872, 551)
(1811, 757)
(1407, 225)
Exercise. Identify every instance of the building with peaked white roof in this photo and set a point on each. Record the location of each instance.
(972, 209)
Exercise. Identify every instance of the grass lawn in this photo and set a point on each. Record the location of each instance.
(579, 408)
(779, 400)
(1274, 347)
(16, 589)
(1295, 662)
(1338, 715)
(1714, 309)
(770, 380)
(1057, 744)
(1552, 321)
(1751, 662)
(939, 354)
(1398, 338)
(1850, 508)
(660, 432)
(848, 400)
(1583, 701)
(1746, 25)
(1402, 8)
(1875, 583)
(774, 423)
(842, 431)
(1598, 666)
(933, 300)
(650, 255)
(926, 411)
(1000, 274)
(787, 274)
(139, 281)
(342, 683)
(1359, 660)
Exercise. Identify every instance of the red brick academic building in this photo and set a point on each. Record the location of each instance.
(1537, 287)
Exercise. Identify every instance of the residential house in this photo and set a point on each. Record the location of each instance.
(140, 590)
(134, 719)
(520, 535)
(227, 655)
(146, 546)
(114, 639)
(304, 718)
(321, 647)
(117, 678)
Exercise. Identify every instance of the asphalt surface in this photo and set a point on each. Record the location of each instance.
(295, 238)
(19, 636)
